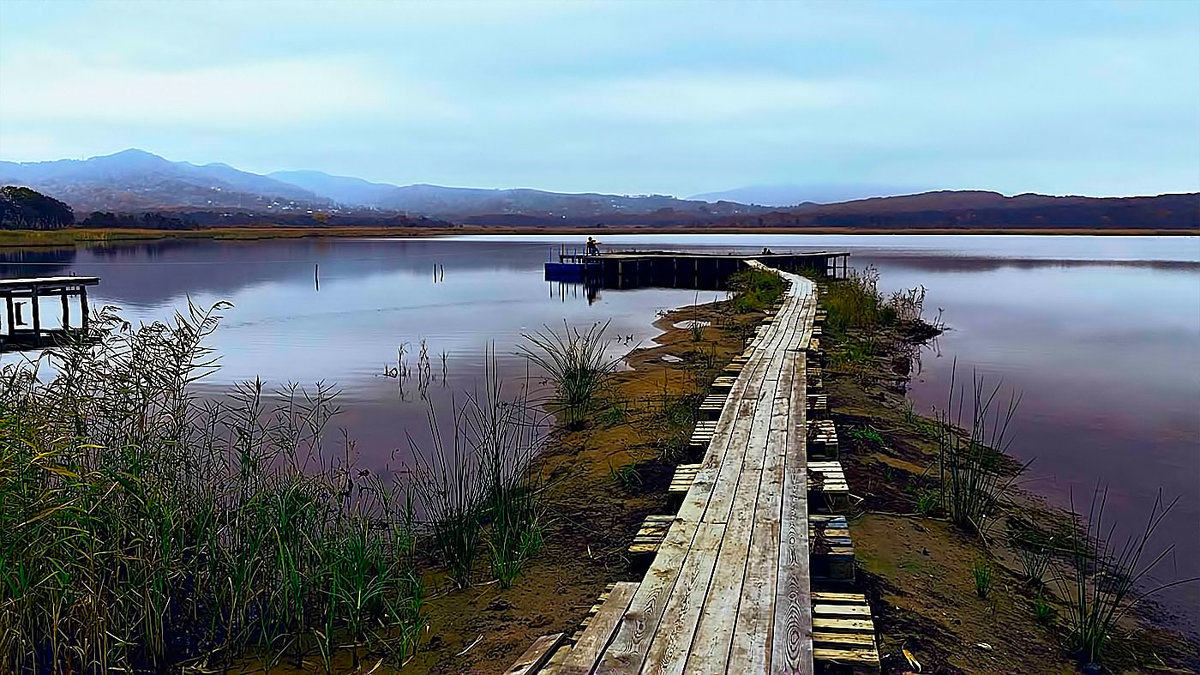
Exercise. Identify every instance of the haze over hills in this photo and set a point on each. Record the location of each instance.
(439, 201)
(135, 181)
(785, 195)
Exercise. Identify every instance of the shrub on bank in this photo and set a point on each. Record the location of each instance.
(755, 289)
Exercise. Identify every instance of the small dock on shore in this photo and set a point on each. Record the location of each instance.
(753, 573)
(27, 322)
(674, 269)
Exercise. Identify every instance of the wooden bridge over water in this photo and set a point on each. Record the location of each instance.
(746, 577)
(24, 325)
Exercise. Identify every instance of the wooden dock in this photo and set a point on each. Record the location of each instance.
(23, 324)
(673, 269)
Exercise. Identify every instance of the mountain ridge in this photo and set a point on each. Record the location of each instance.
(134, 180)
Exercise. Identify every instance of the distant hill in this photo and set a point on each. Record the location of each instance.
(794, 195)
(462, 203)
(121, 189)
(972, 209)
(25, 209)
(134, 180)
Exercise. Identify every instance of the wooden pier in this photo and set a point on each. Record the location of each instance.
(669, 269)
(730, 585)
(25, 325)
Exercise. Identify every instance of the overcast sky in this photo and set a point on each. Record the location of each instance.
(632, 97)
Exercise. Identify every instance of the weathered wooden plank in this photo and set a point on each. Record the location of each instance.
(588, 649)
(838, 624)
(715, 634)
(828, 596)
(669, 651)
(537, 655)
(753, 629)
(791, 649)
(854, 639)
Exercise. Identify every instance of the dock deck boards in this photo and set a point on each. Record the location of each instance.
(728, 590)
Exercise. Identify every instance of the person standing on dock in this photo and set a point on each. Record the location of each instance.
(593, 246)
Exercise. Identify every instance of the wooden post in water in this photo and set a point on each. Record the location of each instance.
(83, 308)
(66, 311)
(37, 318)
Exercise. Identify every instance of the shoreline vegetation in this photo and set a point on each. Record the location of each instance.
(90, 236)
(228, 537)
(966, 571)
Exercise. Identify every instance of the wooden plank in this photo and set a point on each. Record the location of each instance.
(791, 649)
(841, 610)
(855, 639)
(831, 624)
(753, 629)
(847, 655)
(669, 651)
(537, 655)
(587, 650)
(715, 634)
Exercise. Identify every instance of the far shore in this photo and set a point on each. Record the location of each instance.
(71, 236)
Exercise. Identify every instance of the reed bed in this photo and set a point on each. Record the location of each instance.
(857, 303)
(144, 529)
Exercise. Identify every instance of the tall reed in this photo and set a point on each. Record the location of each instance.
(576, 363)
(142, 526)
(971, 466)
(1102, 580)
(507, 435)
(479, 488)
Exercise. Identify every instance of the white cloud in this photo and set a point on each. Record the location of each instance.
(56, 87)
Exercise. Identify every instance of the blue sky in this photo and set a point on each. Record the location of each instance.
(632, 97)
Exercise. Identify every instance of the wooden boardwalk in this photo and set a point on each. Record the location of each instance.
(729, 588)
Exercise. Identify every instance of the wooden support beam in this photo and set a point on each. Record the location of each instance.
(37, 317)
(83, 307)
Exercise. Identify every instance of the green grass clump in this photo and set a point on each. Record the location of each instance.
(867, 434)
(1043, 613)
(755, 289)
(982, 572)
(929, 503)
(628, 477)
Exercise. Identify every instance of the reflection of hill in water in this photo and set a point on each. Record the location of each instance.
(151, 273)
(951, 263)
(35, 262)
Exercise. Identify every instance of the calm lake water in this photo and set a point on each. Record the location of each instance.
(1101, 335)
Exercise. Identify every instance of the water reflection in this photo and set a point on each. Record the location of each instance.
(1101, 334)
